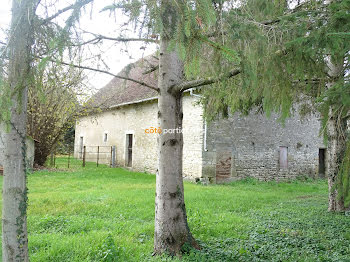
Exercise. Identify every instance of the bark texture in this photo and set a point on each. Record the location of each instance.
(171, 227)
(336, 130)
(14, 212)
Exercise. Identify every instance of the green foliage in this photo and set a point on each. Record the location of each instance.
(5, 102)
(188, 35)
(281, 60)
(284, 57)
(258, 46)
(50, 42)
(90, 213)
(52, 87)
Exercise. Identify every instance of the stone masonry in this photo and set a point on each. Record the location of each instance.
(261, 147)
(228, 149)
(133, 120)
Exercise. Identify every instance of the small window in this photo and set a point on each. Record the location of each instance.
(105, 137)
(283, 157)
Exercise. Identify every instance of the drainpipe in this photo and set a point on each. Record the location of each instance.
(205, 124)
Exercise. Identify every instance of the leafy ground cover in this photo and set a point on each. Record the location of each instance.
(105, 214)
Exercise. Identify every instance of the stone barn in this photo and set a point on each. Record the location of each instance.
(220, 151)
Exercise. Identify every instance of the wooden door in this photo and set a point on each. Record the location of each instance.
(223, 166)
(283, 157)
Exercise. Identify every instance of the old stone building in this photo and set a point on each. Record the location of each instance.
(223, 150)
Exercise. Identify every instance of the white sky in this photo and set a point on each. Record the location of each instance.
(114, 55)
(100, 23)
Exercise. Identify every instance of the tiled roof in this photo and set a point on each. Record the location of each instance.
(120, 91)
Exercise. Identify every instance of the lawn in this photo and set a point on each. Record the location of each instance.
(105, 214)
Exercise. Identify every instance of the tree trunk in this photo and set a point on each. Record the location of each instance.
(336, 131)
(171, 228)
(14, 212)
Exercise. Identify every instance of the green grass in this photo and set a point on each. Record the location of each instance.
(104, 214)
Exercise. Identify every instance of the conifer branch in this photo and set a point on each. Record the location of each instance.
(106, 72)
(76, 5)
(99, 38)
(205, 81)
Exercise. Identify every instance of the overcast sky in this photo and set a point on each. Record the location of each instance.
(114, 55)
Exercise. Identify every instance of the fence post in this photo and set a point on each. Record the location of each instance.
(54, 159)
(68, 156)
(84, 156)
(110, 162)
(113, 156)
(98, 155)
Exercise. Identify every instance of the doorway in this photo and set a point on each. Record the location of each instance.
(129, 142)
(322, 162)
(283, 159)
(223, 166)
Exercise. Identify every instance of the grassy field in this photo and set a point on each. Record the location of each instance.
(104, 214)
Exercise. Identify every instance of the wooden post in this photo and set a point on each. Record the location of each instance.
(68, 156)
(110, 164)
(113, 156)
(98, 155)
(54, 159)
(84, 155)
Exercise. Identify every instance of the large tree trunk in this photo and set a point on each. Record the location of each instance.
(336, 131)
(337, 136)
(14, 212)
(171, 228)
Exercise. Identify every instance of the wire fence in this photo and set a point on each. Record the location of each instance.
(85, 156)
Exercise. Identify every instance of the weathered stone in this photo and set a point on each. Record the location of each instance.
(257, 140)
(135, 119)
(233, 148)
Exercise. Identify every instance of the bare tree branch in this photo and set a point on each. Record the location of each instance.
(76, 5)
(152, 69)
(98, 38)
(108, 73)
(205, 81)
(295, 10)
(121, 39)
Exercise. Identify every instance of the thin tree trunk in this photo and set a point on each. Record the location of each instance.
(14, 212)
(171, 228)
(336, 131)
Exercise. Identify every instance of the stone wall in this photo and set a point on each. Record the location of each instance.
(193, 125)
(252, 146)
(135, 119)
(117, 124)
(233, 148)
